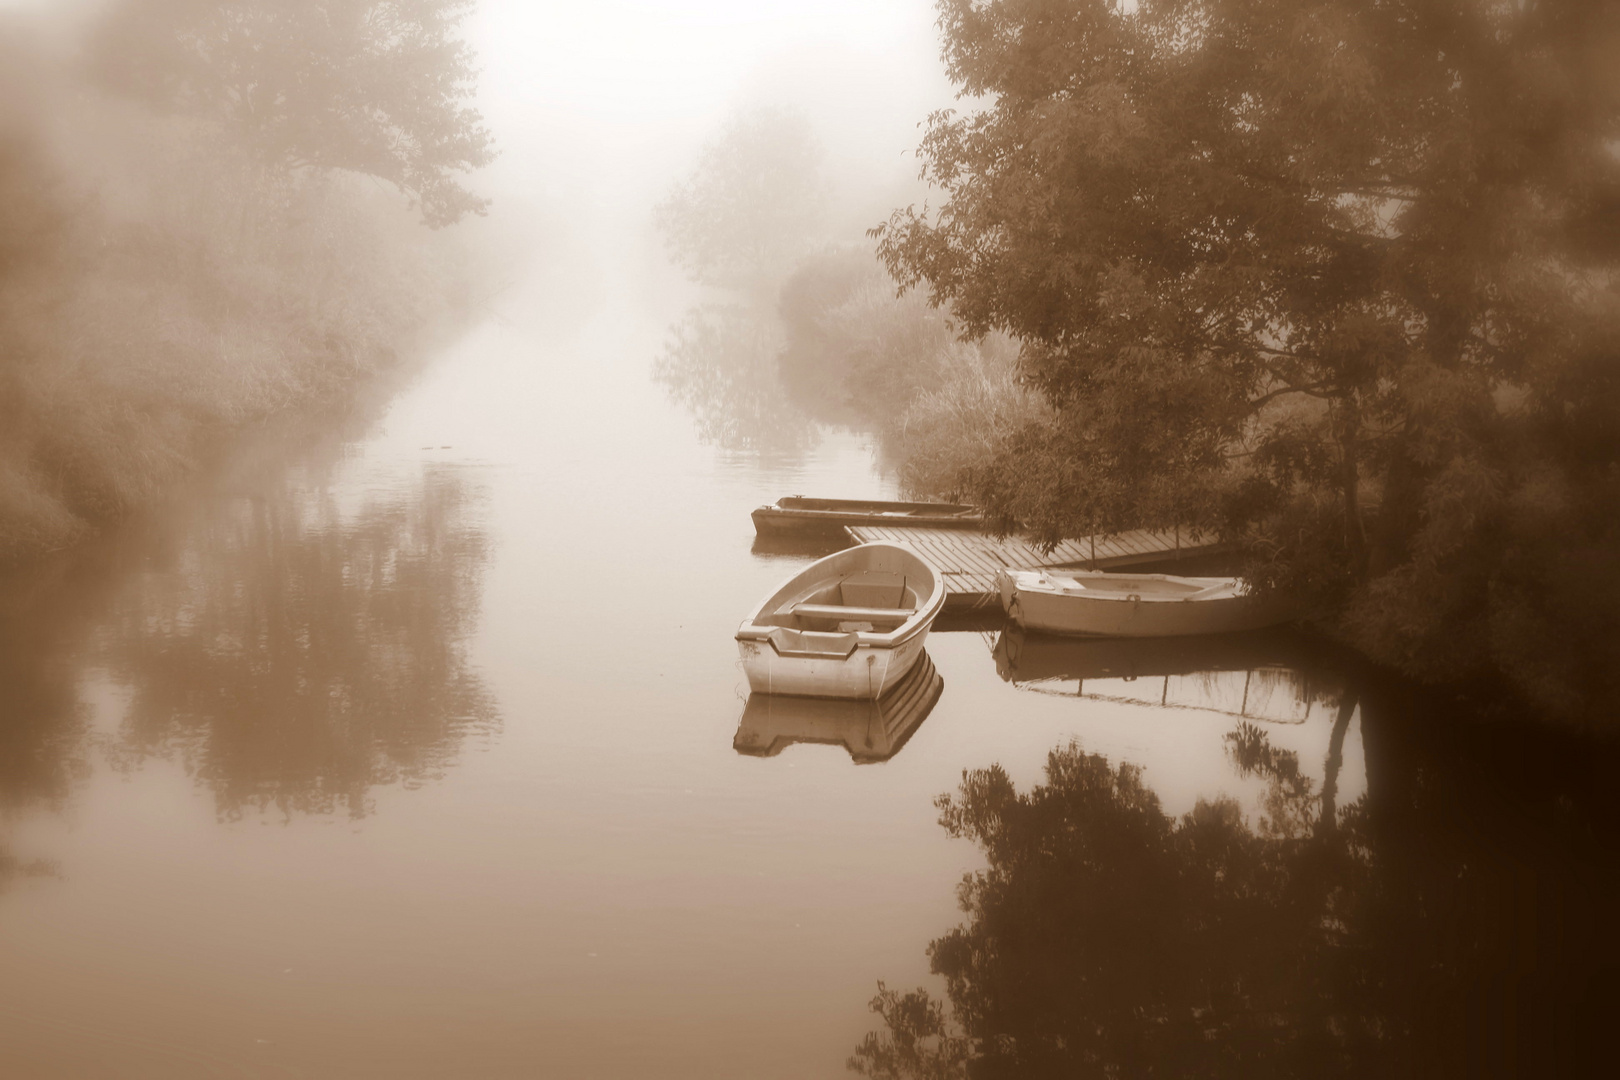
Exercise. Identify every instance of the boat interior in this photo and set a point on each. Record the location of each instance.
(864, 601)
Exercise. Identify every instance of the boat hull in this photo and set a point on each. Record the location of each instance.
(867, 673)
(825, 654)
(800, 516)
(1037, 601)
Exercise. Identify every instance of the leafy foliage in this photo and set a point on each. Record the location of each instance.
(161, 290)
(1332, 278)
(372, 86)
(857, 354)
(752, 204)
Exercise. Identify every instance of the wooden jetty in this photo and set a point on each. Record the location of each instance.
(969, 560)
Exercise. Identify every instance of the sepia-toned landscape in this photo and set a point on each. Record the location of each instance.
(919, 539)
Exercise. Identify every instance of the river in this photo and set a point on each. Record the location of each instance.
(408, 751)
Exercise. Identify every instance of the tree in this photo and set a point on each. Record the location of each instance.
(1332, 278)
(371, 86)
(752, 204)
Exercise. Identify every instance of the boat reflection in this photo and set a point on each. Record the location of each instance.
(871, 731)
(1264, 675)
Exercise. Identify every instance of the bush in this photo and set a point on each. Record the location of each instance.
(951, 433)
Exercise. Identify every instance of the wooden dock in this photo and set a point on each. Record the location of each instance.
(969, 560)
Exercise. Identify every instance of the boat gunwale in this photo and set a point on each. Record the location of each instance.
(856, 506)
(1214, 591)
(918, 622)
(840, 513)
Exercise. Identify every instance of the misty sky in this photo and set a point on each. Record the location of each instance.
(599, 107)
(623, 92)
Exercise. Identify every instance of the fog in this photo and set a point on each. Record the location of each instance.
(182, 189)
(392, 398)
(599, 108)
(583, 92)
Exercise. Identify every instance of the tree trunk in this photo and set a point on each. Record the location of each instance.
(1355, 536)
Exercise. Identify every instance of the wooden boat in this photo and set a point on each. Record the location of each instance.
(846, 626)
(871, 731)
(797, 514)
(1134, 605)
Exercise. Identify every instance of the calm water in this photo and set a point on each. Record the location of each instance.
(411, 754)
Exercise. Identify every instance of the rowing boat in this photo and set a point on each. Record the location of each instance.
(796, 514)
(846, 626)
(1135, 605)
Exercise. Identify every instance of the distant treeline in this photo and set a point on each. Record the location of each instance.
(210, 214)
(812, 329)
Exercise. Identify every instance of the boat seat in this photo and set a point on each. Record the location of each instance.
(850, 613)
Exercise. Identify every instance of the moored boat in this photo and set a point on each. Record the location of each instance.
(1135, 605)
(847, 626)
(871, 731)
(797, 514)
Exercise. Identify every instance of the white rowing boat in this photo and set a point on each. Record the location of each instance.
(847, 626)
(1135, 605)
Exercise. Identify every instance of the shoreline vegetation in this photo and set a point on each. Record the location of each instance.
(1303, 280)
(172, 277)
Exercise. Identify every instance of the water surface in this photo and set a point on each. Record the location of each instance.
(411, 752)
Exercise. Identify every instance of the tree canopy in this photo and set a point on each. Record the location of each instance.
(1335, 279)
(378, 87)
(751, 205)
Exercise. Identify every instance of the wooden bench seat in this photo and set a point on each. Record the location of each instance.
(849, 613)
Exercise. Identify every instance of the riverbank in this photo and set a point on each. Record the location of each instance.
(162, 290)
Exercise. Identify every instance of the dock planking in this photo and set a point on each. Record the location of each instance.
(970, 560)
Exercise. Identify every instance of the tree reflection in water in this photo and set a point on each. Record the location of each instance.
(296, 656)
(1454, 921)
(720, 362)
(43, 722)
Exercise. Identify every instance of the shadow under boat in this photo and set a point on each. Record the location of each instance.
(1273, 675)
(871, 731)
